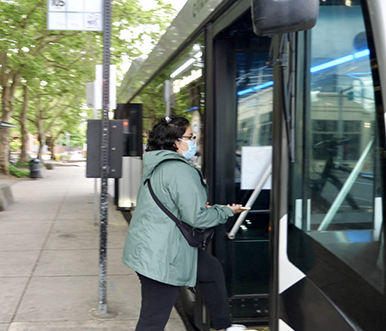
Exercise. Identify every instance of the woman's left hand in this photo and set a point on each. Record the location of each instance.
(235, 208)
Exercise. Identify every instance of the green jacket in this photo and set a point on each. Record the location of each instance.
(154, 246)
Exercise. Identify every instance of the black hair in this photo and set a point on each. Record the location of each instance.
(165, 133)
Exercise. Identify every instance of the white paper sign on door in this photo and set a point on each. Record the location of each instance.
(254, 162)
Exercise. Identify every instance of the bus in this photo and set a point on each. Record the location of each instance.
(290, 119)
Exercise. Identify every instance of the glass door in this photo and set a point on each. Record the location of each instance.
(244, 126)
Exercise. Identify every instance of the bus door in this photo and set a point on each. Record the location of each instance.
(242, 154)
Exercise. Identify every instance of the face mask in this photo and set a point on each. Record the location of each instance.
(192, 149)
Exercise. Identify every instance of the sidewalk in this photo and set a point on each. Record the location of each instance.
(49, 259)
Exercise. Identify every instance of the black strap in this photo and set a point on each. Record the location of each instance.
(159, 203)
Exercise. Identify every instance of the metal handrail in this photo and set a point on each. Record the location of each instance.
(345, 189)
(232, 234)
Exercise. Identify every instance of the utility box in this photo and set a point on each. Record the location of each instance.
(132, 134)
(94, 149)
(126, 188)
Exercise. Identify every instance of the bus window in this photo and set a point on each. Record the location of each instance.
(254, 81)
(184, 81)
(254, 111)
(340, 204)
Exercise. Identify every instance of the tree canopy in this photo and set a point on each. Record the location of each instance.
(51, 68)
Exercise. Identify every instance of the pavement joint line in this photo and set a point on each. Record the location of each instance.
(40, 255)
(66, 192)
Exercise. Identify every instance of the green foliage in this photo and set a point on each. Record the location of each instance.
(17, 172)
(56, 65)
(20, 164)
(15, 145)
(78, 136)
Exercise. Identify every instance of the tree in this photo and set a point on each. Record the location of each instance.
(29, 53)
(23, 39)
(21, 118)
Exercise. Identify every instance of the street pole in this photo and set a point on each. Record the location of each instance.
(95, 180)
(167, 94)
(102, 303)
(58, 13)
(102, 312)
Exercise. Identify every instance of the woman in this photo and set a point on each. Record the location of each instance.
(155, 247)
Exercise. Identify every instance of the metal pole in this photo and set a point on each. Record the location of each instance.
(95, 180)
(279, 185)
(102, 303)
(345, 189)
(95, 201)
(167, 94)
(250, 202)
(340, 126)
(340, 122)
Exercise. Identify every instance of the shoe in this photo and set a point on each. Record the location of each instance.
(236, 327)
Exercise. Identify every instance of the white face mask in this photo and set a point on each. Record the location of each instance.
(192, 149)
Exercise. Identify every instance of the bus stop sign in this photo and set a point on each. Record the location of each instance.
(76, 15)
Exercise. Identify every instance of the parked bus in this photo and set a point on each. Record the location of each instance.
(289, 116)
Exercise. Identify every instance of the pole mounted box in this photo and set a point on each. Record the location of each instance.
(94, 149)
(132, 114)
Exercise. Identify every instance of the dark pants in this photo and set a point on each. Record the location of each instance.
(158, 298)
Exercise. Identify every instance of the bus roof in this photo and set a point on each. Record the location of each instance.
(188, 20)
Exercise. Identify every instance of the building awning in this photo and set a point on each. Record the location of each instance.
(6, 125)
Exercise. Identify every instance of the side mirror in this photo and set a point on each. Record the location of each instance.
(272, 17)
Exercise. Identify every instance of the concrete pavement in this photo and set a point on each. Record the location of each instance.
(49, 249)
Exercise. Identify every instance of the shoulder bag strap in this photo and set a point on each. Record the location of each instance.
(159, 203)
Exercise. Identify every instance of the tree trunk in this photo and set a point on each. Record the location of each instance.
(23, 128)
(41, 137)
(50, 142)
(40, 152)
(7, 97)
(4, 150)
(6, 102)
(53, 156)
